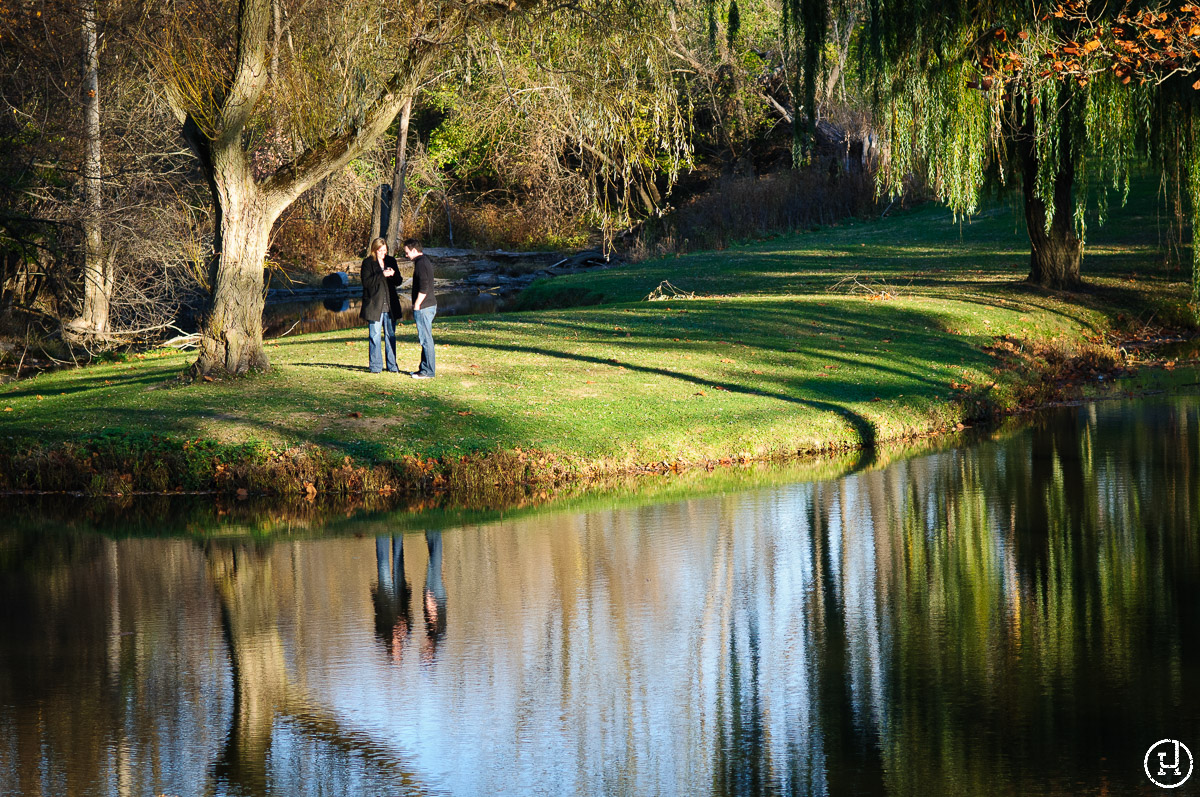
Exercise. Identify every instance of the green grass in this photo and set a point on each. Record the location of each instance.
(204, 517)
(771, 363)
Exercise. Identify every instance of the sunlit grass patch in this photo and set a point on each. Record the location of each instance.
(777, 352)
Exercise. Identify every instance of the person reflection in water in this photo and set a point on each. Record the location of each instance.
(390, 595)
(435, 598)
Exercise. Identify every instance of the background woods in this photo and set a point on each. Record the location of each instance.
(161, 158)
(97, 211)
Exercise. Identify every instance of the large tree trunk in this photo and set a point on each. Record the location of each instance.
(231, 335)
(395, 230)
(97, 269)
(1055, 252)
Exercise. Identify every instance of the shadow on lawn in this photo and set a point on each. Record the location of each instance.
(862, 427)
(362, 369)
(33, 388)
(784, 327)
(922, 254)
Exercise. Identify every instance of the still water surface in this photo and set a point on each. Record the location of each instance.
(1016, 617)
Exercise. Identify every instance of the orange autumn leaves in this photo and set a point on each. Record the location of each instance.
(1146, 46)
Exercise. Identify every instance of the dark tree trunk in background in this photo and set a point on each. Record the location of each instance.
(97, 267)
(377, 212)
(1056, 251)
(395, 230)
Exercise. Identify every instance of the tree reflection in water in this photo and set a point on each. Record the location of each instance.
(277, 728)
(1017, 617)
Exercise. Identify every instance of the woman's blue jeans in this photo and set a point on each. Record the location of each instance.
(385, 329)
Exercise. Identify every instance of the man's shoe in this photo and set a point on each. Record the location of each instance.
(418, 375)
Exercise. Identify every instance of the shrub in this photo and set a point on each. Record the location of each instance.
(740, 208)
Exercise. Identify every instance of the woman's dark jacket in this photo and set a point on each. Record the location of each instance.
(379, 292)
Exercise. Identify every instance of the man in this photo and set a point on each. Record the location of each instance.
(424, 306)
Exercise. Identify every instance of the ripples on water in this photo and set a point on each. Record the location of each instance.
(1018, 617)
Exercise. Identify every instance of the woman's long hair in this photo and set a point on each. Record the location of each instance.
(378, 242)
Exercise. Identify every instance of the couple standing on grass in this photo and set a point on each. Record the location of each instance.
(381, 306)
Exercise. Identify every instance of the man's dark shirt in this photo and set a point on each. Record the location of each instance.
(422, 281)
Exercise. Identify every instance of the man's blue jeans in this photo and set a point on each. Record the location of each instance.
(375, 330)
(423, 318)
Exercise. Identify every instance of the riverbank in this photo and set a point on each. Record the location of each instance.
(832, 340)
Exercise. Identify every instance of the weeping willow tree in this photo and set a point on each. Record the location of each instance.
(805, 32)
(1125, 79)
(274, 96)
(946, 118)
(1059, 100)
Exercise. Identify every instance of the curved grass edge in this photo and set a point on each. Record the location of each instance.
(129, 463)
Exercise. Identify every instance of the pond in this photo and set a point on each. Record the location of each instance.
(342, 312)
(1017, 616)
(468, 283)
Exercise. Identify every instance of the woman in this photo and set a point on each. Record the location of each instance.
(380, 305)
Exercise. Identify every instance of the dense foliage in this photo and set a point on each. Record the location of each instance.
(1064, 100)
(238, 133)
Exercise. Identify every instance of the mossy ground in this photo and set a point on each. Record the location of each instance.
(837, 338)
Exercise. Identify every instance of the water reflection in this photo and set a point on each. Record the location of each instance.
(341, 312)
(277, 723)
(1018, 617)
(435, 598)
(390, 594)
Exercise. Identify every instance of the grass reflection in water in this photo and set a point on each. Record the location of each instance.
(1016, 617)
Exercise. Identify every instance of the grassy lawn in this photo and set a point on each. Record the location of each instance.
(773, 358)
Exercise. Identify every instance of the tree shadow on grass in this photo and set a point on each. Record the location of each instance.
(862, 427)
(767, 328)
(308, 339)
(93, 383)
(362, 369)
